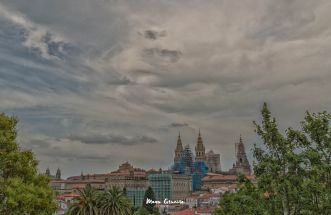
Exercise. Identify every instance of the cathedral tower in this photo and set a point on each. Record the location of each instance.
(242, 164)
(58, 174)
(179, 149)
(200, 149)
(48, 172)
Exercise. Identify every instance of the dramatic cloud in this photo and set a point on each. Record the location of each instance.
(152, 34)
(147, 70)
(35, 36)
(112, 139)
(175, 125)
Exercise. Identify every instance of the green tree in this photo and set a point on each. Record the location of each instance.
(293, 170)
(124, 191)
(247, 200)
(149, 194)
(86, 203)
(315, 139)
(114, 202)
(22, 189)
(278, 167)
(144, 211)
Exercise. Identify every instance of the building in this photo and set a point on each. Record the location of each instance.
(242, 165)
(71, 186)
(134, 180)
(162, 185)
(213, 161)
(188, 211)
(182, 186)
(57, 176)
(127, 176)
(200, 150)
(136, 195)
(189, 165)
(178, 150)
(185, 165)
(213, 181)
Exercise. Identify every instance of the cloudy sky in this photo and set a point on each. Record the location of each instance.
(96, 83)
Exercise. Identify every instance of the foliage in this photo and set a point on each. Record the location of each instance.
(110, 202)
(149, 194)
(114, 202)
(22, 189)
(86, 203)
(247, 200)
(144, 211)
(293, 170)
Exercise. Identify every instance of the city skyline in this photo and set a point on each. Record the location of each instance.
(96, 83)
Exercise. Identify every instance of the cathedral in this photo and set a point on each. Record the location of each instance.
(211, 159)
(242, 165)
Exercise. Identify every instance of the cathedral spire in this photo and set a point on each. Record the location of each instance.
(48, 172)
(58, 174)
(179, 149)
(242, 165)
(200, 152)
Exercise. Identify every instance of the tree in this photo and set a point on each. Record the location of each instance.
(124, 191)
(149, 194)
(22, 189)
(114, 202)
(278, 167)
(142, 211)
(247, 200)
(315, 138)
(86, 203)
(293, 170)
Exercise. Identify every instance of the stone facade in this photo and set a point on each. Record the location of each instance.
(216, 181)
(127, 176)
(182, 186)
(213, 161)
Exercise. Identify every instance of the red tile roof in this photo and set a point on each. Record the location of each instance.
(213, 176)
(188, 211)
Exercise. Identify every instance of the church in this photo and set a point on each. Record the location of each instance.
(212, 160)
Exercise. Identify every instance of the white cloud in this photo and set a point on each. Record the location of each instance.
(35, 35)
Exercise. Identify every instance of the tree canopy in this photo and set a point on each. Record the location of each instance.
(22, 189)
(293, 170)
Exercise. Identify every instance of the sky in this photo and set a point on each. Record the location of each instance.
(97, 83)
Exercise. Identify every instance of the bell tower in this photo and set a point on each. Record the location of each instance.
(200, 151)
(179, 149)
(242, 165)
(58, 174)
(48, 172)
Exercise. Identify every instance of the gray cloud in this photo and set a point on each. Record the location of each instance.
(176, 125)
(82, 68)
(169, 55)
(112, 139)
(152, 34)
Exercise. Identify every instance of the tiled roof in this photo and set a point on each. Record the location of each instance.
(213, 176)
(188, 211)
(69, 195)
